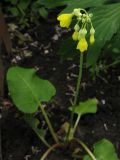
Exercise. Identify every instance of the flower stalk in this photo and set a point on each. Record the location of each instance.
(75, 98)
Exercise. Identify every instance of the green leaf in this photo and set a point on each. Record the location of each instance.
(103, 150)
(89, 106)
(106, 21)
(83, 4)
(13, 2)
(114, 47)
(71, 4)
(24, 4)
(43, 12)
(27, 89)
(14, 11)
(33, 123)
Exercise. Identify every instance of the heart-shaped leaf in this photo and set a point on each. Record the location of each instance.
(89, 106)
(27, 89)
(103, 150)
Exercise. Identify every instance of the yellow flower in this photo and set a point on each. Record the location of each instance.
(75, 35)
(82, 44)
(65, 19)
(92, 39)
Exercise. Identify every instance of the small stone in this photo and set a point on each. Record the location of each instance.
(46, 51)
(18, 58)
(114, 124)
(118, 78)
(54, 69)
(93, 131)
(0, 116)
(103, 101)
(105, 126)
(55, 37)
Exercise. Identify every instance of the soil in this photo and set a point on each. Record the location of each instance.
(19, 142)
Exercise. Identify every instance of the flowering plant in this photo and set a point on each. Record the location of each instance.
(32, 91)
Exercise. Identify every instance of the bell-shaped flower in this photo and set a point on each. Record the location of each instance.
(75, 35)
(65, 19)
(82, 44)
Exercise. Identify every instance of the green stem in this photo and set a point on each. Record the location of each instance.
(49, 150)
(79, 80)
(44, 141)
(85, 148)
(76, 124)
(76, 95)
(112, 64)
(49, 124)
(81, 9)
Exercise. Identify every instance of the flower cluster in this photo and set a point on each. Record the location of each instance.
(80, 28)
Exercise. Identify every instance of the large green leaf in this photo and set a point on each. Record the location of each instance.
(89, 106)
(114, 47)
(83, 4)
(106, 22)
(27, 89)
(72, 4)
(103, 150)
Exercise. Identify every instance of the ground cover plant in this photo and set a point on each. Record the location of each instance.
(33, 94)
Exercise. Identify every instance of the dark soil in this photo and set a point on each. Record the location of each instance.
(19, 142)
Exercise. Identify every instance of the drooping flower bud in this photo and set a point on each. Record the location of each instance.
(76, 27)
(77, 12)
(92, 38)
(75, 35)
(92, 30)
(82, 33)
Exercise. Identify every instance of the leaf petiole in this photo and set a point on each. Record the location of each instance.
(48, 123)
